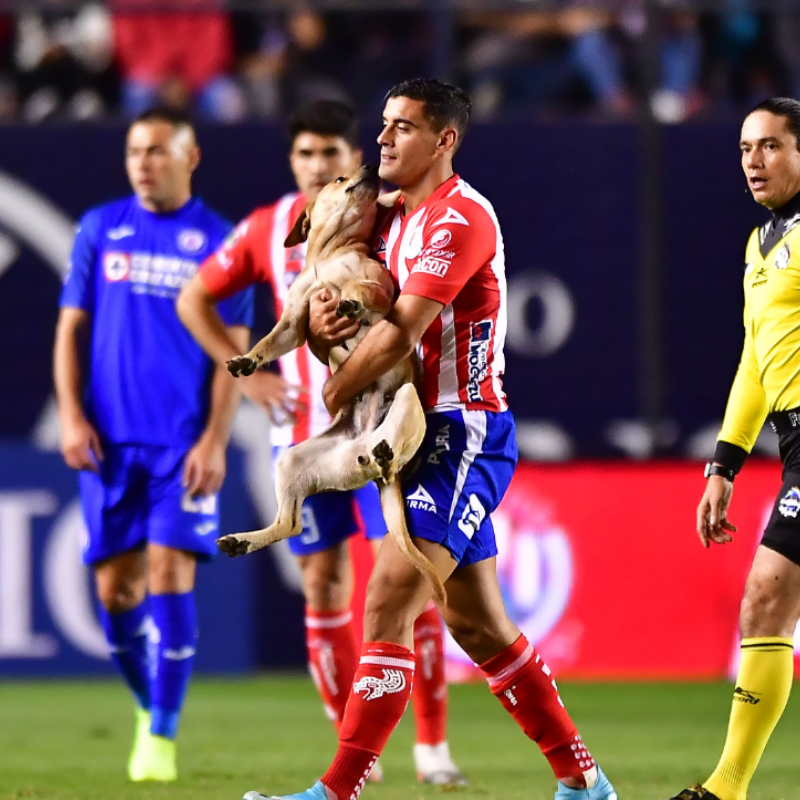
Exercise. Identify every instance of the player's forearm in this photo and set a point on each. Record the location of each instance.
(225, 392)
(67, 359)
(198, 311)
(385, 346)
(744, 418)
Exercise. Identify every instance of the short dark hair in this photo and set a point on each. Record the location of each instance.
(785, 107)
(444, 104)
(178, 119)
(325, 118)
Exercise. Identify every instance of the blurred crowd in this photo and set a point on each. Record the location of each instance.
(66, 60)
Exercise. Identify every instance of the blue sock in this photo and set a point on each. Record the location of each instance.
(175, 641)
(126, 634)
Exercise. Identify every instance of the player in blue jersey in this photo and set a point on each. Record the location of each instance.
(146, 417)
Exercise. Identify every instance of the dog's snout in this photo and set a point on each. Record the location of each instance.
(370, 173)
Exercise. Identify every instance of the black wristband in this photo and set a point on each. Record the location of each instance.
(717, 469)
(730, 455)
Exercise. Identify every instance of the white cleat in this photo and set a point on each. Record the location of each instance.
(434, 765)
(376, 773)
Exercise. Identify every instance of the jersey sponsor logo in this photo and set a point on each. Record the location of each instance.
(442, 443)
(790, 503)
(440, 238)
(116, 266)
(432, 265)
(122, 232)
(192, 240)
(782, 257)
(393, 681)
(160, 274)
(421, 500)
(480, 336)
(472, 517)
(452, 216)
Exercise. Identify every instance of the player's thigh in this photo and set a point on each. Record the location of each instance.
(176, 520)
(121, 581)
(327, 577)
(114, 505)
(397, 592)
(475, 613)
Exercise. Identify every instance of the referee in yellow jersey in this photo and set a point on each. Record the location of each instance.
(766, 387)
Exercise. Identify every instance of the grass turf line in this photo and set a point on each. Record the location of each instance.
(70, 741)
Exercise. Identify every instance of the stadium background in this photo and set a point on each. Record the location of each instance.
(624, 239)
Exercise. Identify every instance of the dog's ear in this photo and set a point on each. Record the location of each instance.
(386, 202)
(299, 231)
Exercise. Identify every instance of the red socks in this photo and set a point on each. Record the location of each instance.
(430, 687)
(332, 658)
(380, 694)
(521, 680)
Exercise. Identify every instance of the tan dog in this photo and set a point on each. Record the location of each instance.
(374, 437)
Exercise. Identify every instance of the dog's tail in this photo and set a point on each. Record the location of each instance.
(394, 515)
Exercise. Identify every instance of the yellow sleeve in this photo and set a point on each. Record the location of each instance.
(747, 404)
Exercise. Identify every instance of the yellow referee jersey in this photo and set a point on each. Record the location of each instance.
(768, 378)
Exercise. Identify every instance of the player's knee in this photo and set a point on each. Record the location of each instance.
(325, 589)
(766, 613)
(120, 595)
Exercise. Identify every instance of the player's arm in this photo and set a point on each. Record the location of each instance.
(80, 442)
(744, 417)
(204, 467)
(385, 345)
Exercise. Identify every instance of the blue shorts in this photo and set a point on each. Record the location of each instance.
(138, 498)
(464, 466)
(331, 517)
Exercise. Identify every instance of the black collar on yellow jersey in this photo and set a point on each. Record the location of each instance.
(784, 219)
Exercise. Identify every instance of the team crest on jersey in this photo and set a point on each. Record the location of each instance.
(782, 257)
(191, 240)
(117, 266)
(790, 503)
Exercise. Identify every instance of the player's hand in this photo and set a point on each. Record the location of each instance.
(713, 524)
(204, 467)
(80, 444)
(325, 324)
(279, 398)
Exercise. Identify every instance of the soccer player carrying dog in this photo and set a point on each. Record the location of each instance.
(443, 245)
(146, 418)
(766, 386)
(324, 146)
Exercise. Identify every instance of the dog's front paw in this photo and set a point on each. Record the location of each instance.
(349, 308)
(242, 366)
(233, 546)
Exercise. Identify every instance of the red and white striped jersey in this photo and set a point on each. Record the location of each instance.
(254, 252)
(450, 249)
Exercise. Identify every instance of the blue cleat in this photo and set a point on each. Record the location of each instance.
(602, 790)
(316, 792)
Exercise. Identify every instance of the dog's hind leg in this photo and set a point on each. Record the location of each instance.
(324, 463)
(393, 443)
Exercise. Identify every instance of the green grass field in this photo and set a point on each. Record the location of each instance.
(69, 741)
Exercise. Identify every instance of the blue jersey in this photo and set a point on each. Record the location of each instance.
(149, 381)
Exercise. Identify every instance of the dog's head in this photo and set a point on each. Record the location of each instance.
(344, 211)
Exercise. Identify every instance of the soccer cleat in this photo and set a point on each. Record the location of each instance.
(153, 758)
(316, 792)
(600, 790)
(696, 792)
(434, 765)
